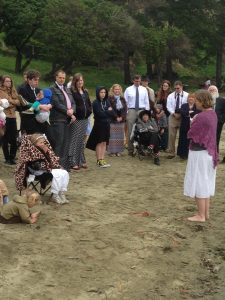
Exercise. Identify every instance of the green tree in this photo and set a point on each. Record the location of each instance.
(20, 21)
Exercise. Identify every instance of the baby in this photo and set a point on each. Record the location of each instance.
(17, 210)
(43, 98)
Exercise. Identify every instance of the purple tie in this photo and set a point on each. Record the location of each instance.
(177, 102)
(68, 102)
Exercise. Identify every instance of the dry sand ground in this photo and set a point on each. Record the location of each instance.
(98, 248)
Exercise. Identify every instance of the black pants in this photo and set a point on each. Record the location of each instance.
(9, 144)
(150, 138)
(58, 135)
(30, 125)
(218, 133)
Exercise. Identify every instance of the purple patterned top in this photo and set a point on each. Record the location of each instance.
(203, 132)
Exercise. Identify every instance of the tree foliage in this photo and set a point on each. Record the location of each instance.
(20, 21)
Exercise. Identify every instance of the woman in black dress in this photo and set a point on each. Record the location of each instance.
(100, 133)
(188, 111)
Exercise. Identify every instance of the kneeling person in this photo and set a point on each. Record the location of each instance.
(17, 210)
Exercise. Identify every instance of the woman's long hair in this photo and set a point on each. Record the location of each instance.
(161, 94)
(11, 91)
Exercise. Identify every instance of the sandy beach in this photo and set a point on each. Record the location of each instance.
(123, 236)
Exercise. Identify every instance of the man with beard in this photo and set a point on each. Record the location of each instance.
(219, 105)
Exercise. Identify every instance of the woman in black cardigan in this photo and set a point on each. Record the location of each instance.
(78, 128)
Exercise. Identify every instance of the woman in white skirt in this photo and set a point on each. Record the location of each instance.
(200, 176)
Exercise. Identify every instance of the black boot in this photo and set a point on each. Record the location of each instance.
(157, 161)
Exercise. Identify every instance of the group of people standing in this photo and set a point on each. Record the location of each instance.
(115, 115)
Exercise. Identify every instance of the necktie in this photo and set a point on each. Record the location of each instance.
(137, 99)
(34, 92)
(68, 103)
(177, 102)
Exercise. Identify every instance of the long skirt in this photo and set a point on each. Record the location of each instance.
(116, 141)
(200, 176)
(77, 139)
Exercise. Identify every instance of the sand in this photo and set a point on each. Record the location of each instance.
(124, 235)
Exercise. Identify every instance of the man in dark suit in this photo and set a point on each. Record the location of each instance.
(219, 104)
(61, 115)
(29, 91)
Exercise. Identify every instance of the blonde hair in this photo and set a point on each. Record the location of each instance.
(205, 98)
(30, 195)
(113, 87)
(191, 95)
(36, 137)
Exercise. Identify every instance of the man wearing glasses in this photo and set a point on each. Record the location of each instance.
(174, 102)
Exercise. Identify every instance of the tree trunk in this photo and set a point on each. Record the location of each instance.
(219, 62)
(19, 58)
(169, 68)
(149, 69)
(23, 68)
(159, 73)
(126, 68)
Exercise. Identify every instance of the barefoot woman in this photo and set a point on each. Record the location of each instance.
(200, 177)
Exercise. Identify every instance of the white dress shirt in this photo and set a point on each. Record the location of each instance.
(172, 99)
(130, 97)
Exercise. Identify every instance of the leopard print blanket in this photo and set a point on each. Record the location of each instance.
(30, 153)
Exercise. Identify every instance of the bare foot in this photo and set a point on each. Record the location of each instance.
(196, 218)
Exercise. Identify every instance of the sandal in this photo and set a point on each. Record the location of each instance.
(112, 154)
(118, 154)
(76, 168)
(84, 166)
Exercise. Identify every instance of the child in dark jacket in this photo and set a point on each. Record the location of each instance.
(100, 133)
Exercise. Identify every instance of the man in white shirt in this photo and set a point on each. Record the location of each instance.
(136, 97)
(174, 102)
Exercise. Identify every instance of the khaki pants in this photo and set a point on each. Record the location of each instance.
(174, 125)
(132, 116)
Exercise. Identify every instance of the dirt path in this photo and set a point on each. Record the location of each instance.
(101, 246)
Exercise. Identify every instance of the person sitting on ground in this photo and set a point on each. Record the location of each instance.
(38, 159)
(3, 193)
(43, 99)
(17, 210)
(148, 134)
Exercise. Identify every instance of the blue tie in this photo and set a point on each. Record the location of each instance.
(137, 99)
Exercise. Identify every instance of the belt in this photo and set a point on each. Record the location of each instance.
(138, 108)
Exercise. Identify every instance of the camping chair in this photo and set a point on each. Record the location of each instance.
(40, 183)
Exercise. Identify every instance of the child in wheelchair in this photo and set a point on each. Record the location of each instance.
(145, 136)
